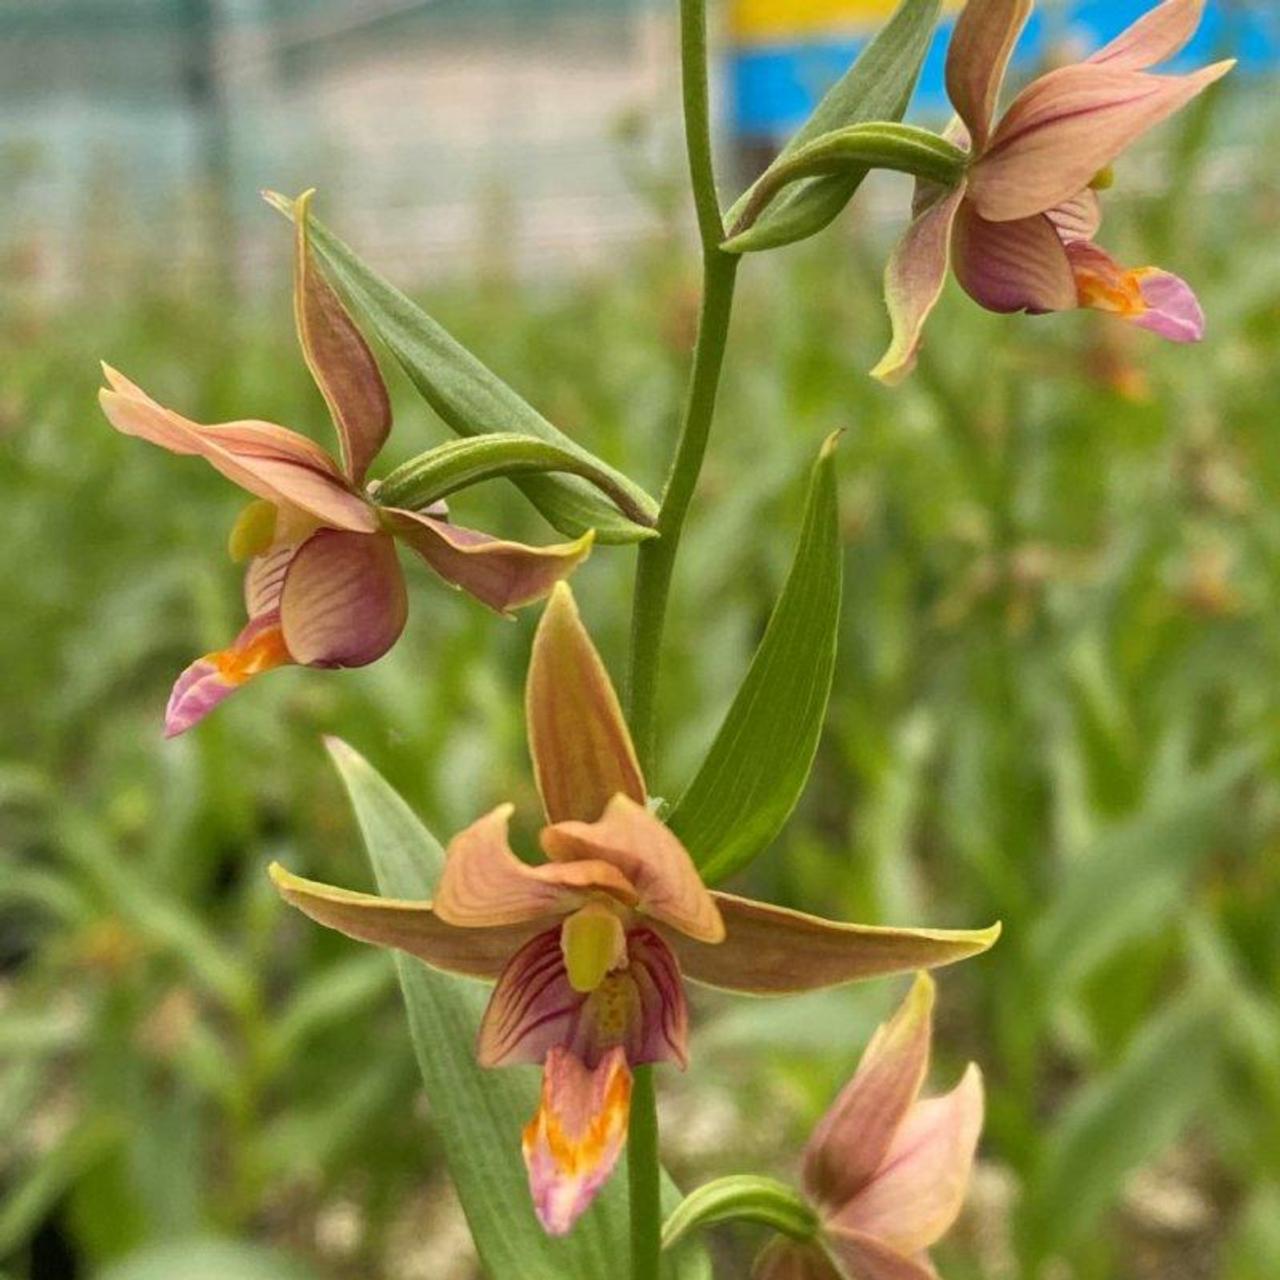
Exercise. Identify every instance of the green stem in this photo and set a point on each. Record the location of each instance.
(657, 558)
(642, 1175)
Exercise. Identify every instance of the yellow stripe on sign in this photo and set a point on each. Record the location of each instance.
(755, 21)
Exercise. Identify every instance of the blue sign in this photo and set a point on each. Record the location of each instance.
(775, 80)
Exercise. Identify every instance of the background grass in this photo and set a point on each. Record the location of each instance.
(1056, 704)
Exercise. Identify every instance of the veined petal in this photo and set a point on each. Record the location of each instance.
(639, 1009)
(338, 356)
(629, 837)
(1146, 296)
(919, 1191)
(1066, 126)
(268, 461)
(533, 1008)
(1012, 266)
(485, 884)
(264, 579)
(573, 1142)
(867, 1258)
(853, 1138)
(1077, 218)
(209, 680)
(914, 279)
(504, 575)
(1154, 38)
(978, 57)
(774, 951)
(412, 927)
(343, 603)
(581, 747)
(784, 1259)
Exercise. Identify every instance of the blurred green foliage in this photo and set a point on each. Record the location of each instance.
(1056, 703)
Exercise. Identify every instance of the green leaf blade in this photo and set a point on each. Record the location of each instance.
(760, 760)
(878, 86)
(472, 400)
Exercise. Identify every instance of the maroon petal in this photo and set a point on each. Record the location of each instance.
(533, 1007)
(343, 603)
(640, 1008)
(1012, 266)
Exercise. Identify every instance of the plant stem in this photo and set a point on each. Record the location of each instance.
(657, 558)
(642, 1175)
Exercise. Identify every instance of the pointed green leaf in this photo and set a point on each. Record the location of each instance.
(760, 760)
(878, 86)
(1125, 885)
(1121, 1120)
(479, 1113)
(471, 399)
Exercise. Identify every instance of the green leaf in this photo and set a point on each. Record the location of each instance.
(742, 1198)
(478, 1113)
(1123, 887)
(878, 86)
(760, 760)
(472, 400)
(1119, 1121)
(204, 1259)
(439, 472)
(854, 150)
(30, 1197)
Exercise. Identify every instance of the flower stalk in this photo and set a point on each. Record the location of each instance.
(656, 559)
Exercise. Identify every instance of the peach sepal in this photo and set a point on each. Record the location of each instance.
(581, 748)
(340, 361)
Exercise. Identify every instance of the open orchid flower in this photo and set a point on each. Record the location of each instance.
(1019, 228)
(324, 587)
(588, 949)
(885, 1172)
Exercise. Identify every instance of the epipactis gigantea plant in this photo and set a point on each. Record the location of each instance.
(323, 587)
(1019, 228)
(885, 1172)
(589, 950)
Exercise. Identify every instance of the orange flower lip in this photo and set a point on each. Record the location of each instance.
(264, 652)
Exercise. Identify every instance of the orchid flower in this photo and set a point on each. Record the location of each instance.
(324, 587)
(589, 949)
(885, 1172)
(1019, 228)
